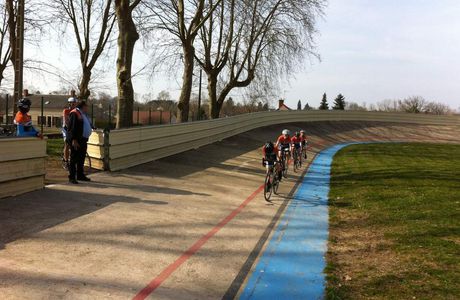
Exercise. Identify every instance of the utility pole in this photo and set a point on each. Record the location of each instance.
(19, 53)
(199, 96)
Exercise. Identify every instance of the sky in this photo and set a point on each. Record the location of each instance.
(370, 51)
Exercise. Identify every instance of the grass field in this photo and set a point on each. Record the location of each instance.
(395, 222)
(54, 147)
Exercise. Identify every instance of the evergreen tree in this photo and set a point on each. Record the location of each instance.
(324, 105)
(299, 105)
(307, 107)
(339, 102)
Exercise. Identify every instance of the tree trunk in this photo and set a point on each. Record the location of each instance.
(84, 83)
(212, 94)
(187, 83)
(127, 39)
(12, 18)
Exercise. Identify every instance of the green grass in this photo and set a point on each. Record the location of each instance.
(395, 222)
(54, 147)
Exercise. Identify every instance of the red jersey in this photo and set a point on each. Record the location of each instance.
(282, 140)
(296, 140)
(65, 116)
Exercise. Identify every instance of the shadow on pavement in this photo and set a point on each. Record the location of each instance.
(33, 212)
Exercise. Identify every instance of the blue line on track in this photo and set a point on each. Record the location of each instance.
(292, 265)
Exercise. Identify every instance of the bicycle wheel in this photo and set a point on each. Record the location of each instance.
(285, 167)
(276, 184)
(299, 159)
(87, 167)
(268, 186)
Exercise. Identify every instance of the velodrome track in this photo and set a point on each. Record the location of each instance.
(177, 224)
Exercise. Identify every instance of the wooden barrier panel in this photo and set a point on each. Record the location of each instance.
(121, 149)
(22, 165)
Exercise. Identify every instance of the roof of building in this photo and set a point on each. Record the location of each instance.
(53, 101)
(282, 106)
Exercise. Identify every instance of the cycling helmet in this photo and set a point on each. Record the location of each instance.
(302, 131)
(24, 104)
(297, 134)
(72, 100)
(269, 147)
(286, 132)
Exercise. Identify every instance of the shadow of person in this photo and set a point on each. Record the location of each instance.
(36, 211)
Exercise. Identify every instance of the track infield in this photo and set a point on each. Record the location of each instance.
(395, 222)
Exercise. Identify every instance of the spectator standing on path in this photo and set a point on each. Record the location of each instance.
(78, 134)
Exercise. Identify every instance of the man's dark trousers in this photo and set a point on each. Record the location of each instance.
(77, 159)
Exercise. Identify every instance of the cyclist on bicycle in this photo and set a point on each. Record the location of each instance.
(270, 159)
(283, 142)
(72, 103)
(303, 136)
(23, 120)
(296, 144)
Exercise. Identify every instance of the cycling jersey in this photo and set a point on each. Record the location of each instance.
(23, 119)
(284, 141)
(297, 141)
(65, 117)
(304, 140)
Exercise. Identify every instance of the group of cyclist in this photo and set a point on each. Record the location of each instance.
(286, 147)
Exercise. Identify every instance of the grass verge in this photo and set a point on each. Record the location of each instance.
(54, 147)
(395, 222)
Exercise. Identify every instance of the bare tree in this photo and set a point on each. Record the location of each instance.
(437, 108)
(355, 106)
(92, 22)
(5, 48)
(388, 105)
(259, 40)
(414, 104)
(183, 20)
(127, 38)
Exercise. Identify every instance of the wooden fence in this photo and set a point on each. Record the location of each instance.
(22, 165)
(121, 149)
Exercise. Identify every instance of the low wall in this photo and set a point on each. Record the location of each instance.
(22, 165)
(121, 149)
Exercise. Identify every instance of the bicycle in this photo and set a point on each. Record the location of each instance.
(272, 182)
(86, 167)
(285, 154)
(304, 151)
(297, 159)
(8, 131)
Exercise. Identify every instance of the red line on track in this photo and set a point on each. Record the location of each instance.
(157, 281)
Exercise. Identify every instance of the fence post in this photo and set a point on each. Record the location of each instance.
(106, 153)
(150, 115)
(110, 116)
(42, 113)
(7, 108)
(92, 113)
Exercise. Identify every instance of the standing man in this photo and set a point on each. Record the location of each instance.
(78, 134)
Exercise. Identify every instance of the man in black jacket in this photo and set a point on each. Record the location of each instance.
(78, 133)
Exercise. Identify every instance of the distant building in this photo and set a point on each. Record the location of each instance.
(153, 117)
(52, 109)
(282, 106)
